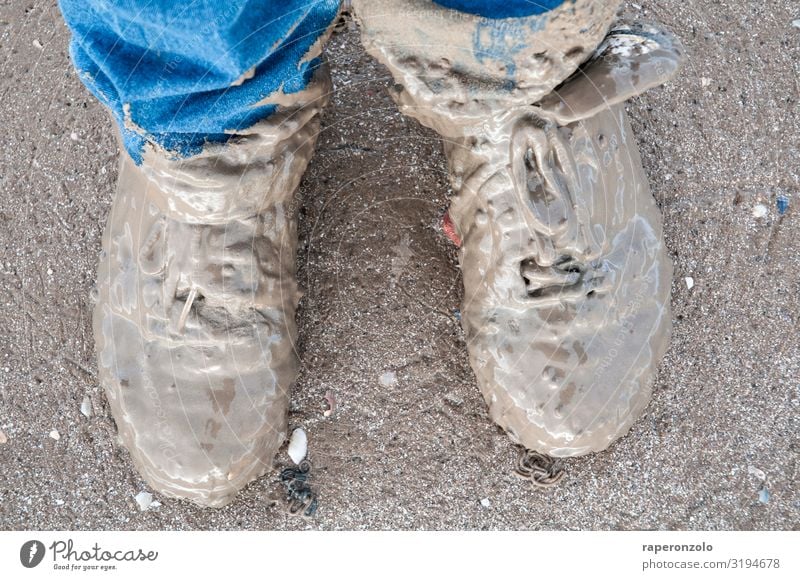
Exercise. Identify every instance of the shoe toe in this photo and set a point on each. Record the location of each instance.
(200, 421)
(568, 377)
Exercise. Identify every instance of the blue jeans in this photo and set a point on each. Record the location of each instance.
(179, 74)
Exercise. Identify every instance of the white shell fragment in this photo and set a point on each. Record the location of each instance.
(388, 379)
(757, 472)
(3, 438)
(86, 407)
(298, 445)
(144, 500)
(486, 503)
(759, 211)
(54, 434)
(689, 282)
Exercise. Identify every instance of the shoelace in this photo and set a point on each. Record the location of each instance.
(541, 470)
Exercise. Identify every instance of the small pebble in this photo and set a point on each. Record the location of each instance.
(330, 398)
(59, 502)
(757, 472)
(689, 282)
(37, 44)
(763, 495)
(388, 379)
(298, 445)
(705, 81)
(486, 503)
(3, 438)
(73, 136)
(54, 434)
(796, 23)
(454, 399)
(155, 505)
(760, 210)
(49, 271)
(144, 500)
(86, 407)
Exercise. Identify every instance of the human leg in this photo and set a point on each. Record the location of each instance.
(566, 306)
(217, 107)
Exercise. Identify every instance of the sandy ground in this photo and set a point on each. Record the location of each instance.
(720, 145)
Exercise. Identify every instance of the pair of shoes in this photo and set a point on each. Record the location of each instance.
(566, 278)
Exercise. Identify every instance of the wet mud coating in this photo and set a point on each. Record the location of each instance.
(195, 314)
(566, 277)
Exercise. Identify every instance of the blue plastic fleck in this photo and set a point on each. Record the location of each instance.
(783, 204)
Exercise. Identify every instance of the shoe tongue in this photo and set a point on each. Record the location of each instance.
(627, 63)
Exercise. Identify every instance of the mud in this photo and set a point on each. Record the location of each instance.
(566, 276)
(475, 60)
(195, 319)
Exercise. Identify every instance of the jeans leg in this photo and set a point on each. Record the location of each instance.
(474, 54)
(501, 8)
(180, 74)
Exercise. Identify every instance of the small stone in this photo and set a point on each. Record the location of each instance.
(3, 438)
(298, 445)
(144, 500)
(155, 505)
(388, 379)
(705, 81)
(796, 23)
(757, 472)
(54, 434)
(763, 495)
(454, 399)
(86, 407)
(689, 282)
(330, 399)
(760, 211)
(73, 136)
(59, 502)
(37, 44)
(486, 503)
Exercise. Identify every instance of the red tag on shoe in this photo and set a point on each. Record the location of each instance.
(450, 229)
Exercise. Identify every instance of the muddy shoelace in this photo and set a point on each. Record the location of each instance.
(542, 470)
(301, 500)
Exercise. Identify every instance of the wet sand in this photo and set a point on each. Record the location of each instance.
(410, 444)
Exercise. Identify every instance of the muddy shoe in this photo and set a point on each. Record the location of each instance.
(566, 277)
(194, 322)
